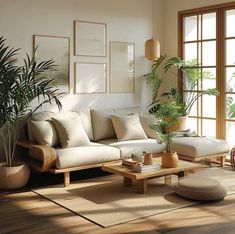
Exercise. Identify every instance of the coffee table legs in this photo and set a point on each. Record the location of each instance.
(182, 174)
(142, 186)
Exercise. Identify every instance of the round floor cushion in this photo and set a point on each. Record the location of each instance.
(200, 188)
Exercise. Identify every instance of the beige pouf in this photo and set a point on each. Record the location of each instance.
(200, 189)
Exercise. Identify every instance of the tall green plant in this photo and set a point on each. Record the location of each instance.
(191, 75)
(19, 86)
(154, 78)
(166, 116)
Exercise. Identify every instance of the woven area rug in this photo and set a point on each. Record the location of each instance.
(106, 202)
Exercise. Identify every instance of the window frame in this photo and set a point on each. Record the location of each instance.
(220, 10)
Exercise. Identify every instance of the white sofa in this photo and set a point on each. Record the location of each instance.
(104, 147)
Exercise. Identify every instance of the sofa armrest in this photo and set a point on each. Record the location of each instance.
(46, 153)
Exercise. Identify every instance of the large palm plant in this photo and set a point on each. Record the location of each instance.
(19, 86)
(191, 76)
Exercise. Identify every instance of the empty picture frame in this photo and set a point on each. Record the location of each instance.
(89, 39)
(90, 77)
(57, 49)
(122, 67)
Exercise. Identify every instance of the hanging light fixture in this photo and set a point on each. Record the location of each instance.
(152, 46)
(152, 49)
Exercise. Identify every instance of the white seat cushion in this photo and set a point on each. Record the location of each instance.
(199, 146)
(135, 146)
(84, 155)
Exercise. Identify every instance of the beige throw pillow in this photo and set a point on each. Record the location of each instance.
(44, 132)
(71, 132)
(102, 124)
(146, 121)
(128, 127)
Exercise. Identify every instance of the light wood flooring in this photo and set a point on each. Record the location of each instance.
(26, 212)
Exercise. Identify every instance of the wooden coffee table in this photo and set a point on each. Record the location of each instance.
(142, 178)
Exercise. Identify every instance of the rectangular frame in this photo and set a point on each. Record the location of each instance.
(122, 67)
(57, 49)
(90, 77)
(90, 39)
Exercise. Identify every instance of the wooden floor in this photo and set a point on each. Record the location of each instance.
(26, 212)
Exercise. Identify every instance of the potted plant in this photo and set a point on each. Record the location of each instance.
(19, 86)
(166, 116)
(154, 81)
(190, 75)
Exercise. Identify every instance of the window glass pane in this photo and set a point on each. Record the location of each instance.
(208, 127)
(230, 133)
(190, 28)
(190, 51)
(230, 106)
(189, 96)
(230, 79)
(230, 21)
(209, 26)
(192, 124)
(209, 78)
(209, 106)
(230, 55)
(209, 53)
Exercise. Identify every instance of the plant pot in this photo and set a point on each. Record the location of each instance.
(180, 125)
(15, 176)
(169, 159)
(148, 159)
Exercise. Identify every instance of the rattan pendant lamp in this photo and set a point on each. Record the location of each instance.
(152, 46)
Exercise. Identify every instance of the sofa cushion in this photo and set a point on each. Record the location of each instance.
(199, 146)
(146, 121)
(85, 116)
(85, 155)
(71, 132)
(128, 127)
(44, 132)
(135, 146)
(102, 124)
(40, 116)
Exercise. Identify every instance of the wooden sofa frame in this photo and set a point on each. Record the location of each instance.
(48, 156)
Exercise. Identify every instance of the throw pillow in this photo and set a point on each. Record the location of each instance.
(71, 132)
(102, 124)
(128, 127)
(146, 121)
(44, 132)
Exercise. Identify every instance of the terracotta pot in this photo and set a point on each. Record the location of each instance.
(13, 177)
(169, 159)
(180, 125)
(148, 159)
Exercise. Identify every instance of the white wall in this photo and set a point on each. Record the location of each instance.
(129, 21)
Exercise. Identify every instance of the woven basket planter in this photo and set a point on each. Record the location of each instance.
(13, 177)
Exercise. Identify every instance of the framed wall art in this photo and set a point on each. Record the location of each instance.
(89, 39)
(57, 49)
(122, 67)
(90, 77)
